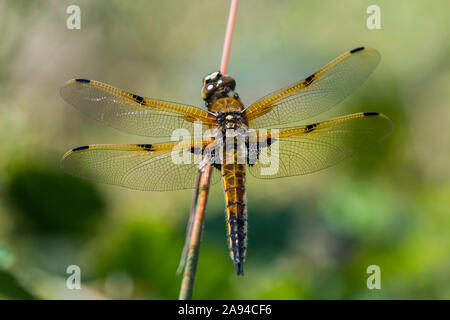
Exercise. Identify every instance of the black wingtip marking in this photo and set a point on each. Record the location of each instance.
(139, 99)
(356, 49)
(146, 147)
(311, 127)
(239, 268)
(80, 148)
(83, 80)
(369, 114)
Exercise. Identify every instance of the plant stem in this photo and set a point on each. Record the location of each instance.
(228, 36)
(197, 218)
(187, 286)
(187, 240)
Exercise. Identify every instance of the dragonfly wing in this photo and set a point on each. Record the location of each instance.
(132, 113)
(317, 93)
(142, 167)
(306, 149)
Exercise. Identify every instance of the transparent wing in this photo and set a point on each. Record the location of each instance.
(132, 113)
(317, 93)
(142, 167)
(306, 149)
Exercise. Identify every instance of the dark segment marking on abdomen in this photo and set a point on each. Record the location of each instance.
(233, 188)
(229, 204)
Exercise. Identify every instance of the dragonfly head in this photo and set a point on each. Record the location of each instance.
(217, 85)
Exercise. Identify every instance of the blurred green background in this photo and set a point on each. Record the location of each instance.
(309, 237)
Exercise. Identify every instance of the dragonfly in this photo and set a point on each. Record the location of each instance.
(270, 128)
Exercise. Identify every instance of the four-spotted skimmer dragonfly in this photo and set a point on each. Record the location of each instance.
(299, 149)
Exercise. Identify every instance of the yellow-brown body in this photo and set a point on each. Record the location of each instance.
(228, 112)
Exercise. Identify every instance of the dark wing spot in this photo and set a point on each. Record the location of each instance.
(268, 142)
(195, 150)
(310, 79)
(368, 114)
(80, 148)
(310, 127)
(356, 49)
(146, 147)
(82, 80)
(139, 99)
(253, 150)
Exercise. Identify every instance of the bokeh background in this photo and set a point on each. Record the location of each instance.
(310, 237)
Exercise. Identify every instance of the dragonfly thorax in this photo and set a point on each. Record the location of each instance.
(230, 120)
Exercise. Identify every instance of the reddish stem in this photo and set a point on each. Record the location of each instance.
(228, 36)
(197, 220)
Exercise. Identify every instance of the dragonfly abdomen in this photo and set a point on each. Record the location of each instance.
(234, 185)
